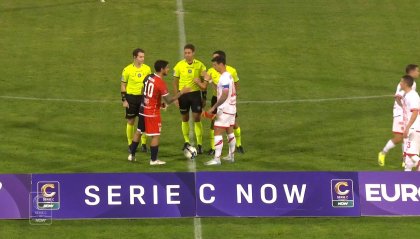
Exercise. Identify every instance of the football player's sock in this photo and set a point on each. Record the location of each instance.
(133, 147)
(198, 129)
(389, 145)
(232, 143)
(212, 139)
(218, 146)
(238, 136)
(415, 159)
(154, 152)
(130, 133)
(143, 139)
(408, 166)
(186, 131)
(410, 162)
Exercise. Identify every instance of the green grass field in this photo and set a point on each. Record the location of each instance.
(284, 51)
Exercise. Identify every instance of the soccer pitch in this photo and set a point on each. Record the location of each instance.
(316, 85)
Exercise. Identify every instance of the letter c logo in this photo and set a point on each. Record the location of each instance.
(1, 185)
(338, 190)
(44, 190)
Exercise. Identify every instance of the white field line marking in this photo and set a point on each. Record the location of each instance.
(7, 97)
(313, 100)
(182, 41)
(239, 101)
(181, 27)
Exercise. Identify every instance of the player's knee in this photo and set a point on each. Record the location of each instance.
(197, 117)
(185, 118)
(130, 121)
(397, 138)
(137, 136)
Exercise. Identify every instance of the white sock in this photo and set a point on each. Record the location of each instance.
(218, 146)
(408, 166)
(389, 145)
(232, 144)
(410, 162)
(415, 159)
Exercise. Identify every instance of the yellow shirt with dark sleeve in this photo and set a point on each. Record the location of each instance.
(215, 75)
(188, 72)
(133, 76)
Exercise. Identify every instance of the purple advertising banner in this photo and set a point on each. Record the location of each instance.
(115, 195)
(209, 194)
(389, 193)
(14, 195)
(273, 194)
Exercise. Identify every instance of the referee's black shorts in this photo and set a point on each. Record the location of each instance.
(134, 102)
(191, 100)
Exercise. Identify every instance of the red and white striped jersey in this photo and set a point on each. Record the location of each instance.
(153, 89)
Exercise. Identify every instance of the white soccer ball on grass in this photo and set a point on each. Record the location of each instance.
(190, 152)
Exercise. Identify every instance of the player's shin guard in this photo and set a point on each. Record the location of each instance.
(130, 133)
(218, 146)
(232, 144)
(238, 136)
(186, 131)
(143, 139)
(198, 129)
(133, 147)
(212, 139)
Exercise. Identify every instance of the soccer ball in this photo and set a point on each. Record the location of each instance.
(190, 152)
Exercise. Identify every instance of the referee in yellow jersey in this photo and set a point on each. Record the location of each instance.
(131, 89)
(185, 72)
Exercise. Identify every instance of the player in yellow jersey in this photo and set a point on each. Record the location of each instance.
(214, 78)
(131, 88)
(185, 71)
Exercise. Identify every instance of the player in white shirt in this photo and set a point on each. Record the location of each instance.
(411, 105)
(398, 123)
(226, 111)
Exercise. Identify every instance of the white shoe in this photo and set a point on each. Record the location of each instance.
(131, 158)
(229, 158)
(157, 162)
(213, 162)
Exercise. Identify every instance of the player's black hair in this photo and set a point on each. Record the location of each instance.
(408, 80)
(410, 67)
(136, 51)
(220, 53)
(160, 64)
(219, 59)
(190, 46)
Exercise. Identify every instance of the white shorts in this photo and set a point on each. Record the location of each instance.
(398, 125)
(224, 120)
(412, 145)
